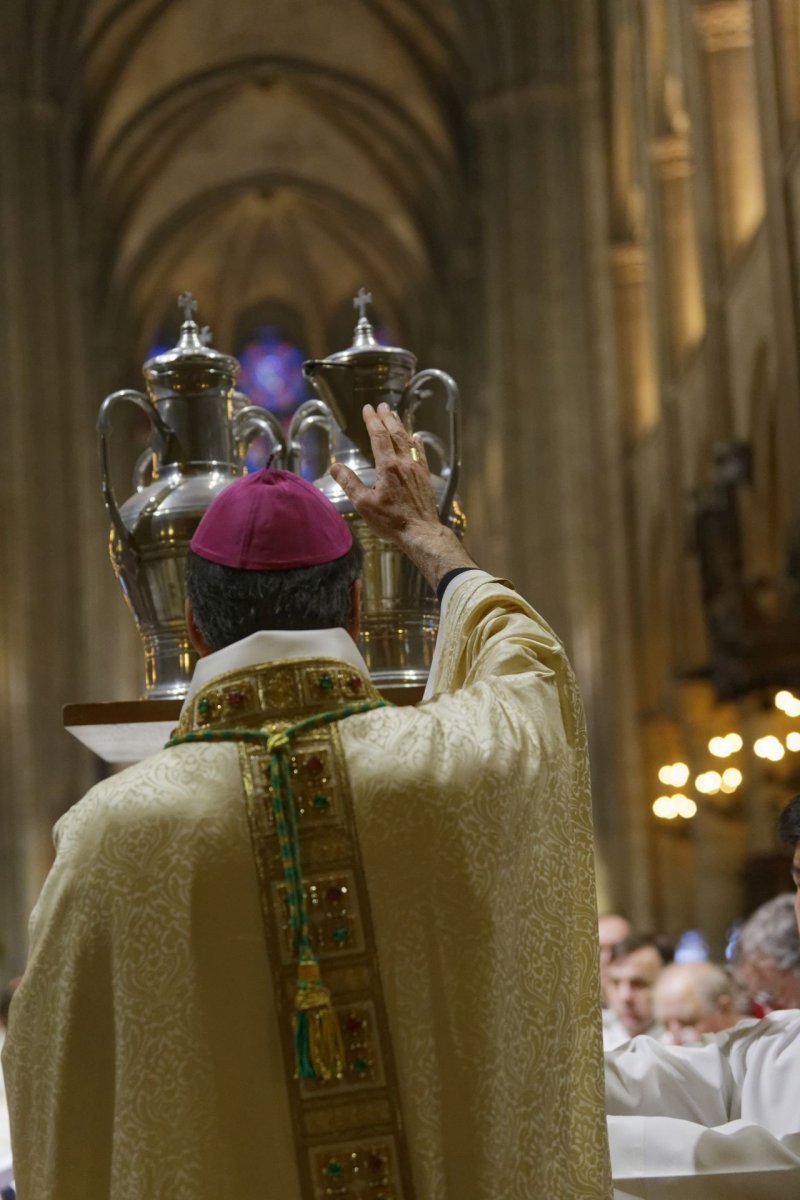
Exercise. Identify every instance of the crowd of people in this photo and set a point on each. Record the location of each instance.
(646, 991)
(718, 1119)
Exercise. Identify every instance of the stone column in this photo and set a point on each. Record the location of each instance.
(671, 155)
(778, 122)
(59, 616)
(635, 338)
(547, 435)
(786, 17)
(725, 29)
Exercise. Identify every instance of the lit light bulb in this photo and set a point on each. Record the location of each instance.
(666, 808)
(665, 775)
(680, 774)
(793, 740)
(761, 747)
(769, 747)
(734, 741)
(708, 783)
(719, 747)
(686, 807)
(789, 703)
(731, 778)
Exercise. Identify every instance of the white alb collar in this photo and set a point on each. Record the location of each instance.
(272, 645)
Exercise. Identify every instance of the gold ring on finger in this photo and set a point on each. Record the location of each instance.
(415, 454)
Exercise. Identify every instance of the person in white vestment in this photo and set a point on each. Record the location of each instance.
(148, 1055)
(719, 1120)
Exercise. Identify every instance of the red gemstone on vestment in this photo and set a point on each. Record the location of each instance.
(376, 1162)
(314, 763)
(356, 683)
(235, 697)
(334, 894)
(354, 1024)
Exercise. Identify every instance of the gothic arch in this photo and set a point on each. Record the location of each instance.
(354, 147)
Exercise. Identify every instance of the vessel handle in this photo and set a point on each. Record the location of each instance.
(251, 420)
(143, 469)
(411, 399)
(310, 413)
(432, 441)
(159, 440)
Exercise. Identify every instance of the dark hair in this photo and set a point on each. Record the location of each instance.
(789, 823)
(640, 941)
(230, 603)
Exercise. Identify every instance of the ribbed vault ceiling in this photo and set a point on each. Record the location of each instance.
(269, 152)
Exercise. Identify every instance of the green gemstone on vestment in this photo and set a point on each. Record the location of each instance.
(326, 682)
(340, 935)
(321, 803)
(360, 1066)
(334, 1170)
(203, 706)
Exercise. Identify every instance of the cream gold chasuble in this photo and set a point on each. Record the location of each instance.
(147, 1044)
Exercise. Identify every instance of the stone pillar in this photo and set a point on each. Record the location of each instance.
(635, 338)
(778, 119)
(786, 17)
(547, 434)
(58, 633)
(671, 155)
(725, 29)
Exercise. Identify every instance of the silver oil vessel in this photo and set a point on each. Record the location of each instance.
(400, 614)
(201, 428)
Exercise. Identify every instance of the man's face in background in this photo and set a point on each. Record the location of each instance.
(630, 988)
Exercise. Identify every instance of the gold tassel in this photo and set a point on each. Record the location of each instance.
(319, 1048)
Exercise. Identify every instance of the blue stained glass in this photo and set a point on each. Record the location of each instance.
(271, 375)
(160, 346)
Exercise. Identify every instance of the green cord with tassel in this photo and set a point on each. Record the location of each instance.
(318, 1046)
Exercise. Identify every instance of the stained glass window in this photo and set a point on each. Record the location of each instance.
(272, 375)
(272, 372)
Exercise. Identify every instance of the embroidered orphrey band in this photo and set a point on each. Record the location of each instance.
(348, 1132)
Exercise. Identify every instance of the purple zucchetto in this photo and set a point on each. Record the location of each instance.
(271, 521)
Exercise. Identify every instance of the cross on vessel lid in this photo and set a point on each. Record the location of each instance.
(193, 350)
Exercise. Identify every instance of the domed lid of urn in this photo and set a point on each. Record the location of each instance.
(192, 361)
(366, 349)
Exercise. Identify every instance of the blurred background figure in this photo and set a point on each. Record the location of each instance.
(6, 1169)
(693, 998)
(635, 964)
(611, 928)
(766, 961)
